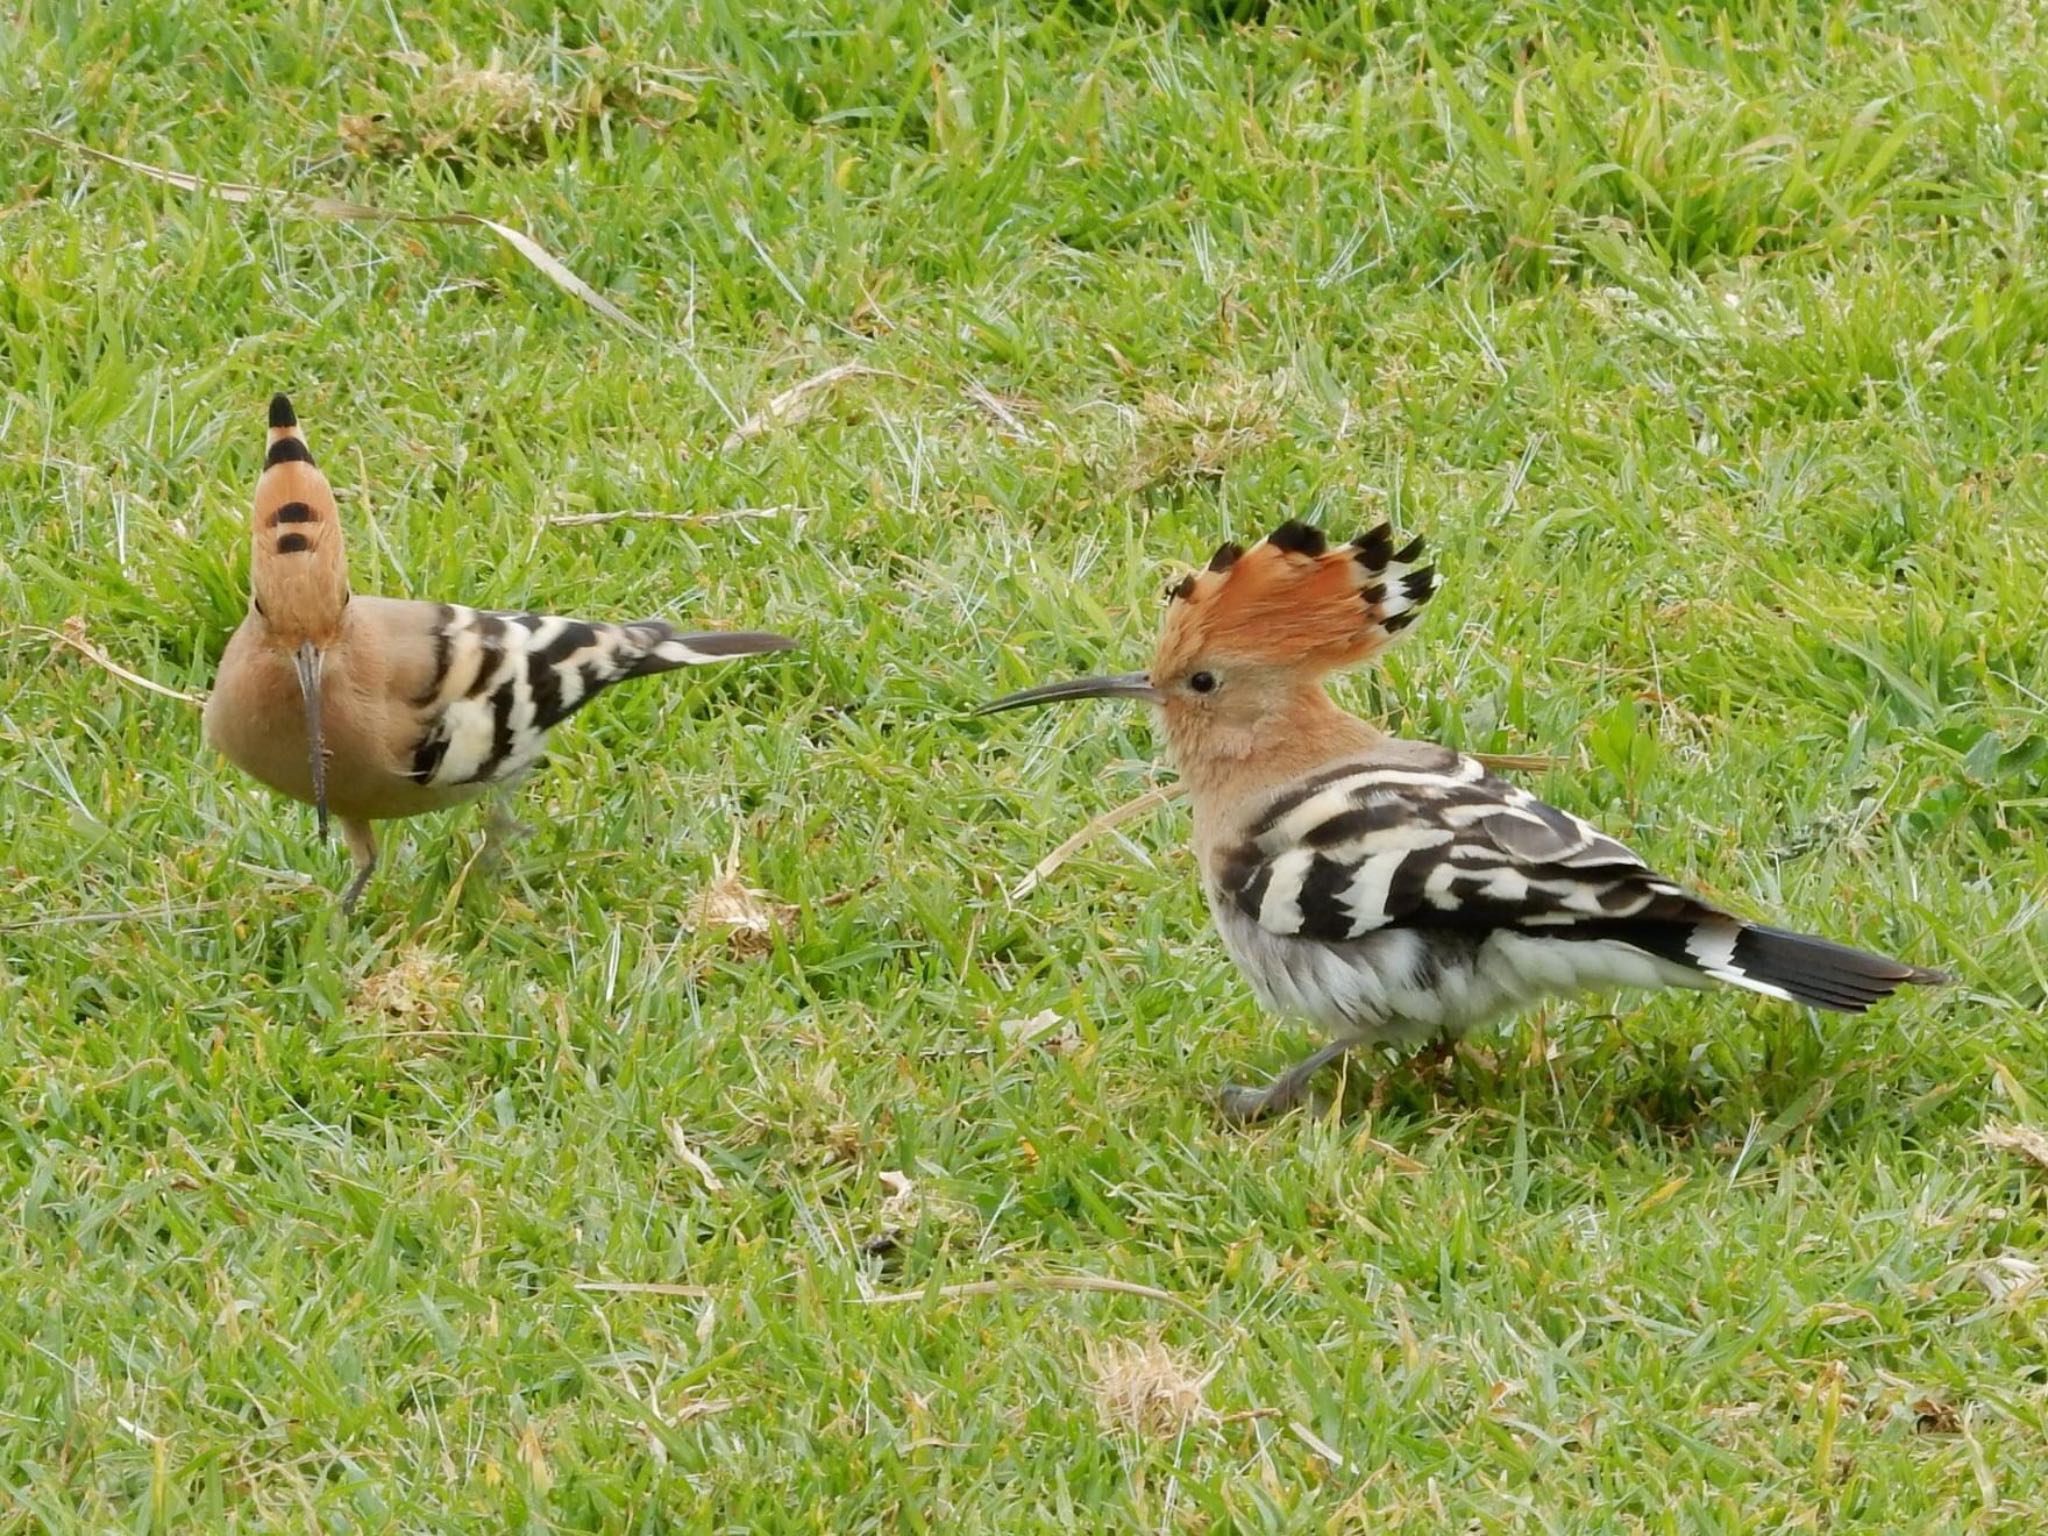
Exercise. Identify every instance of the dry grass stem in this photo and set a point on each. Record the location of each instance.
(340, 210)
(72, 636)
(729, 515)
(161, 914)
(691, 1158)
(1516, 762)
(797, 402)
(1116, 816)
(1319, 1445)
(645, 1288)
(995, 405)
(1082, 1284)
(2020, 1140)
(2009, 1278)
(701, 1408)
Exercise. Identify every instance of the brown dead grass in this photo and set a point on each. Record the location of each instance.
(748, 920)
(463, 112)
(2022, 1141)
(1147, 1388)
(410, 1002)
(1195, 436)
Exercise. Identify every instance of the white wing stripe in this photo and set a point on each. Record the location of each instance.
(1325, 804)
(1280, 911)
(1366, 895)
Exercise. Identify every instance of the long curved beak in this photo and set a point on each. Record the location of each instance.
(1124, 685)
(307, 660)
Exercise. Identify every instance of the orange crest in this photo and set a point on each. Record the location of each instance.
(1293, 601)
(298, 564)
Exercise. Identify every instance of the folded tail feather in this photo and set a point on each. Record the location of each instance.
(1799, 967)
(664, 647)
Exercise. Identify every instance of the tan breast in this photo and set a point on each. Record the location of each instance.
(256, 717)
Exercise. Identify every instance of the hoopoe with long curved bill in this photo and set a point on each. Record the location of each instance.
(1394, 892)
(374, 708)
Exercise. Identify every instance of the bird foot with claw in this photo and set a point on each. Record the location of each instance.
(1242, 1104)
(354, 893)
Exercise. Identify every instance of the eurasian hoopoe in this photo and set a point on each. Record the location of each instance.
(378, 707)
(1393, 891)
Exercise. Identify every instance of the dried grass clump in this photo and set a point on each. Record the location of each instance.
(410, 1000)
(1196, 435)
(464, 113)
(750, 921)
(1147, 1388)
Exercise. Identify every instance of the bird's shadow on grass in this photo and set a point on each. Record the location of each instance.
(1651, 1093)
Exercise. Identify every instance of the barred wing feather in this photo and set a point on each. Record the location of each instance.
(1433, 843)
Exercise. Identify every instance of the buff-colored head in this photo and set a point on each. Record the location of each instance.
(298, 570)
(1247, 639)
(298, 567)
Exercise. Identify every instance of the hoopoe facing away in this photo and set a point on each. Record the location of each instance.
(1390, 891)
(377, 708)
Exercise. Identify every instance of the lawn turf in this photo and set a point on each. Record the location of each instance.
(1705, 345)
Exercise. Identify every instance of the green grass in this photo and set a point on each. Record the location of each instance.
(1705, 345)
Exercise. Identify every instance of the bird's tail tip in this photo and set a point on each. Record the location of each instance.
(739, 642)
(675, 649)
(1804, 969)
(281, 412)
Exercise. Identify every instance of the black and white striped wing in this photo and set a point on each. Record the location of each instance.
(501, 681)
(1438, 843)
(1429, 842)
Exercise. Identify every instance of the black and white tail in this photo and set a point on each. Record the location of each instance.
(501, 681)
(1797, 967)
(662, 647)
(1418, 838)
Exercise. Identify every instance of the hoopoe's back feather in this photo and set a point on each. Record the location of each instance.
(501, 681)
(1470, 873)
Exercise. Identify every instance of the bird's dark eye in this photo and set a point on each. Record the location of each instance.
(1203, 682)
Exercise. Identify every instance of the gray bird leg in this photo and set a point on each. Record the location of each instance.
(501, 828)
(362, 847)
(1243, 1106)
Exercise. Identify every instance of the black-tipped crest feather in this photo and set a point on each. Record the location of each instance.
(1298, 538)
(1375, 547)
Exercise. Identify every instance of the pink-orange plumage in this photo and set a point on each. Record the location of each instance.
(384, 707)
(1395, 891)
(1292, 601)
